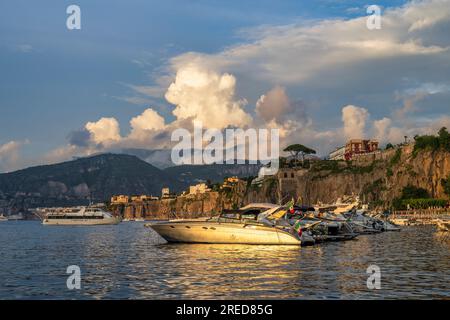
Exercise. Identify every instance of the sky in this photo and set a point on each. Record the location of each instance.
(137, 70)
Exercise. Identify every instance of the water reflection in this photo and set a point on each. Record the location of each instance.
(130, 261)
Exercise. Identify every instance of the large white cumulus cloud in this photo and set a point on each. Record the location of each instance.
(104, 131)
(353, 74)
(354, 119)
(206, 96)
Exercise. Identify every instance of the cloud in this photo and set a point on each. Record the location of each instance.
(10, 155)
(381, 128)
(80, 138)
(274, 104)
(206, 96)
(104, 131)
(23, 48)
(327, 63)
(411, 96)
(300, 52)
(354, 119)
(149, 120)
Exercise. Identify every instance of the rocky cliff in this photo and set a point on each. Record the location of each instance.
(376, 178)
(187, 206)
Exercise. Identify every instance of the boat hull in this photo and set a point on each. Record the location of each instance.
(80, 222)
(225, 233)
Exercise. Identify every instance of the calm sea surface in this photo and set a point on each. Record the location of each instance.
(129, 261)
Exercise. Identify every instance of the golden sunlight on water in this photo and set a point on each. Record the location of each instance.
(130, 261)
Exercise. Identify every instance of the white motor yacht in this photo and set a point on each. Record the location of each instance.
(78, 216)
(240, 226)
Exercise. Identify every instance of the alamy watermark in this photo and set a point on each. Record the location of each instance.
(374, 279)
(74, 19)
(74, 280)
(227, 146)
(374, 20)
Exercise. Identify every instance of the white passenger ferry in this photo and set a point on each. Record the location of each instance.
(78, 216)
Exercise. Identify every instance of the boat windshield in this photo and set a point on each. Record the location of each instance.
(248, 214)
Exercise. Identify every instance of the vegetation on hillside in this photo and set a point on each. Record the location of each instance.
(432, 142)
(298, 149)
(417, 198)
(446, 185)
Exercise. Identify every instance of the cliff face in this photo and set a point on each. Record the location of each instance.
(378, 177)
(375, 178)
(188, 206)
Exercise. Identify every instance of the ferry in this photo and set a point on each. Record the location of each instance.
(86, 216)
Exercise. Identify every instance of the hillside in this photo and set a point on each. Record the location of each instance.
(192, 174)
(378, 179)
(97, 178)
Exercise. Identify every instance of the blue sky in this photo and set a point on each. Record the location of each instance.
(54, 80)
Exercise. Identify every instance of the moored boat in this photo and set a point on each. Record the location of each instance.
(78, 216)
(231, 227)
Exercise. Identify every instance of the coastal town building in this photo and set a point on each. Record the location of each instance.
(143, 198)
(120, 199)
(165, 193)
(229, 182)
(199, 189)
(356, 147)
(338, 154)
(353, 148)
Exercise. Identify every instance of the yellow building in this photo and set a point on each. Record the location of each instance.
(120, 199)
(232, 180)
(228, 182)
(143, 198)
(165, 193)
(199, 188)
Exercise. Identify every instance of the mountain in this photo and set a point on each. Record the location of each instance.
(96, 178)
(160, 158)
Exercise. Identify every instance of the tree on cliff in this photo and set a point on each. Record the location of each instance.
(444, 139)
(446, 185)
(298, 149)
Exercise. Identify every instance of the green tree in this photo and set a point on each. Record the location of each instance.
(444, 139)
(389, 146)
(446, 185)
(412, 192)
(298, 149)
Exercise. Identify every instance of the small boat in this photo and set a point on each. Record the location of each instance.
(324, 226)
(400, 221)
(139, 219)
(3, 218)
(86, 216)
(241, 226)
(15, 217)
